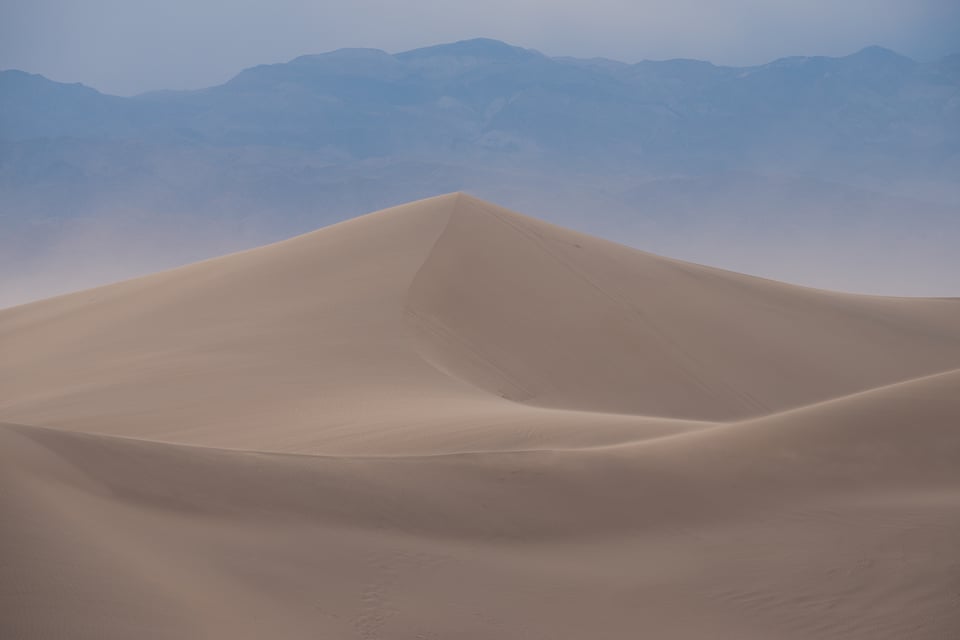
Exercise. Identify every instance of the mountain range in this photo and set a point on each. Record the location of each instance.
(683, 157)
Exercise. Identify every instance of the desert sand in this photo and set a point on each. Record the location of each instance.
(449, 420)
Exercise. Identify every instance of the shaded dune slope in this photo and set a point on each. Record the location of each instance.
(448, 420)
(551, 317)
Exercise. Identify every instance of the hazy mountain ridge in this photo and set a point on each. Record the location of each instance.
(457, 95)
(283, 148)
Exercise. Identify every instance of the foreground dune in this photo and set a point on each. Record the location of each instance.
(448, 420)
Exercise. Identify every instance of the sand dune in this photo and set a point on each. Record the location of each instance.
(448, 420)
(386, 333)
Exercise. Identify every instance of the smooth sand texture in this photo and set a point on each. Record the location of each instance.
(448, 420)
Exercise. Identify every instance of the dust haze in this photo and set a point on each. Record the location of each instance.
(764, 229)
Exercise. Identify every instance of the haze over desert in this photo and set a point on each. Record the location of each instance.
(513, 320)
(450, 420)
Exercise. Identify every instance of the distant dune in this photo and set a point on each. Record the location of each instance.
(449, 420)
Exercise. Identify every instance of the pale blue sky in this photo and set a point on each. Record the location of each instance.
(129, 46)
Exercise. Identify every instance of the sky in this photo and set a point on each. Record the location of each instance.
(130, 46)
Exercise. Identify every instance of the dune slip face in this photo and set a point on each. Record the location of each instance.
(450, 420)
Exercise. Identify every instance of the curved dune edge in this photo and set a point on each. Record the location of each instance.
(897, 400)
(835, 521)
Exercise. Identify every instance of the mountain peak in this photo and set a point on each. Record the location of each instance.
(345, 54)
(485, 48)
(15, 79)
(352, 61)
(877, 54)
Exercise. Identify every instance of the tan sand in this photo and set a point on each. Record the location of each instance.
(448, 420)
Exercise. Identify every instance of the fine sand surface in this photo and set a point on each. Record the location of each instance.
(449, 420)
